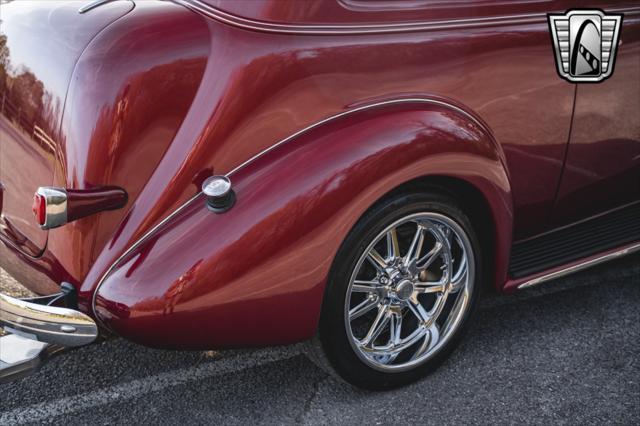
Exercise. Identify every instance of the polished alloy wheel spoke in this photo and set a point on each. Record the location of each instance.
(364, 307)
(428, 288)
(427, 260)
(389, 352)
(416, 246)
(437, 308)
(394, 348)
(431, 338)
(362, 286)
(376, 260)
(396, 303)
(419, 311)
(443, 285)
(378, 326)
(393, 247)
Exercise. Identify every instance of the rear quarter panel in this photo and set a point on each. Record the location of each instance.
(256, 274)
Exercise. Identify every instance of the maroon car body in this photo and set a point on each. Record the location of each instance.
(314, 110)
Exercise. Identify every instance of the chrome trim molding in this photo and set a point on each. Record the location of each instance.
(92, 5)
(48, 324)
(56, 206)
(314, 29)
(580, 266)
(184, 206)
(358, 109)
(337, 29)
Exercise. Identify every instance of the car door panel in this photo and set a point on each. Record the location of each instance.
(602, 169)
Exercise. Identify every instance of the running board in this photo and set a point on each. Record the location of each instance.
(570, 244)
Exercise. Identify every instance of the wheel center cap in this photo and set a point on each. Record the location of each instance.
(404, 290)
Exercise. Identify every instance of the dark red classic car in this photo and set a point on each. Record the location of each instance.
(219, 173)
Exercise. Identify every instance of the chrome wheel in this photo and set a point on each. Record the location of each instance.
(409, 291)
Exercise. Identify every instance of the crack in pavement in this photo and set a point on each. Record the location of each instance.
(308, 404)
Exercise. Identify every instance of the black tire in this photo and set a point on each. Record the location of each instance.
(333, 336)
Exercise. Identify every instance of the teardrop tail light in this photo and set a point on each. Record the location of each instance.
(50, 207)
(54, 207)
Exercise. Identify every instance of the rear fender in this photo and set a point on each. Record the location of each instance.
(256, 274)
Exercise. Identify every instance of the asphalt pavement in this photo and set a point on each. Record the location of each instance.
(567, 352)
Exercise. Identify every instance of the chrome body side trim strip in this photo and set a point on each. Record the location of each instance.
(314, 29)
(184, 206)
(580, 266)
(358, 109)
(338, 29)
(92, 5)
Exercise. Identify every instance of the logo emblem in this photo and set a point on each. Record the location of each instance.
(585, 44)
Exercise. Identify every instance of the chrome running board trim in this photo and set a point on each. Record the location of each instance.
(562, 247)
(580, 266)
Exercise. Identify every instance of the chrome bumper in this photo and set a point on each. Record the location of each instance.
(36, 332)
(48, 324)
(20, 356)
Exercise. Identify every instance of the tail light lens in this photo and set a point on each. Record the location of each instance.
(40, 209)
